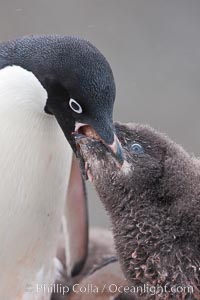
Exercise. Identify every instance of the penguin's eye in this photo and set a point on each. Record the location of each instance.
(137, 148)
(75, 106)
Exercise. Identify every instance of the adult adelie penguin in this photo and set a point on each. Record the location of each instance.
(39, 77)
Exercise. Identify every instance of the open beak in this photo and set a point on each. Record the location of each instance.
(106, 135)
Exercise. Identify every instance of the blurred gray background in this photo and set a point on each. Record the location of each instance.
(153, 47)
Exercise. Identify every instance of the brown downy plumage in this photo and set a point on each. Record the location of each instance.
(100, 271)
(153, 201)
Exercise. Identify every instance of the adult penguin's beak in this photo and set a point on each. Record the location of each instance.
(100, 128)
(105, 133)
(117, 149)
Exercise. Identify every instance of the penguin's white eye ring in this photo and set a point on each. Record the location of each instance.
(75, 106)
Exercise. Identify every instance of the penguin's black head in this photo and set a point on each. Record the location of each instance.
(78, 80)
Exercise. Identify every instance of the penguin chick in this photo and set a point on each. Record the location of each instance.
(153, 201)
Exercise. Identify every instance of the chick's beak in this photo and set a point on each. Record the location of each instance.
(105, 134)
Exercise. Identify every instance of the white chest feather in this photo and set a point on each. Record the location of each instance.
(35, 161)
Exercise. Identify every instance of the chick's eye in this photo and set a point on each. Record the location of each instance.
(137, 148)
(75, 106)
